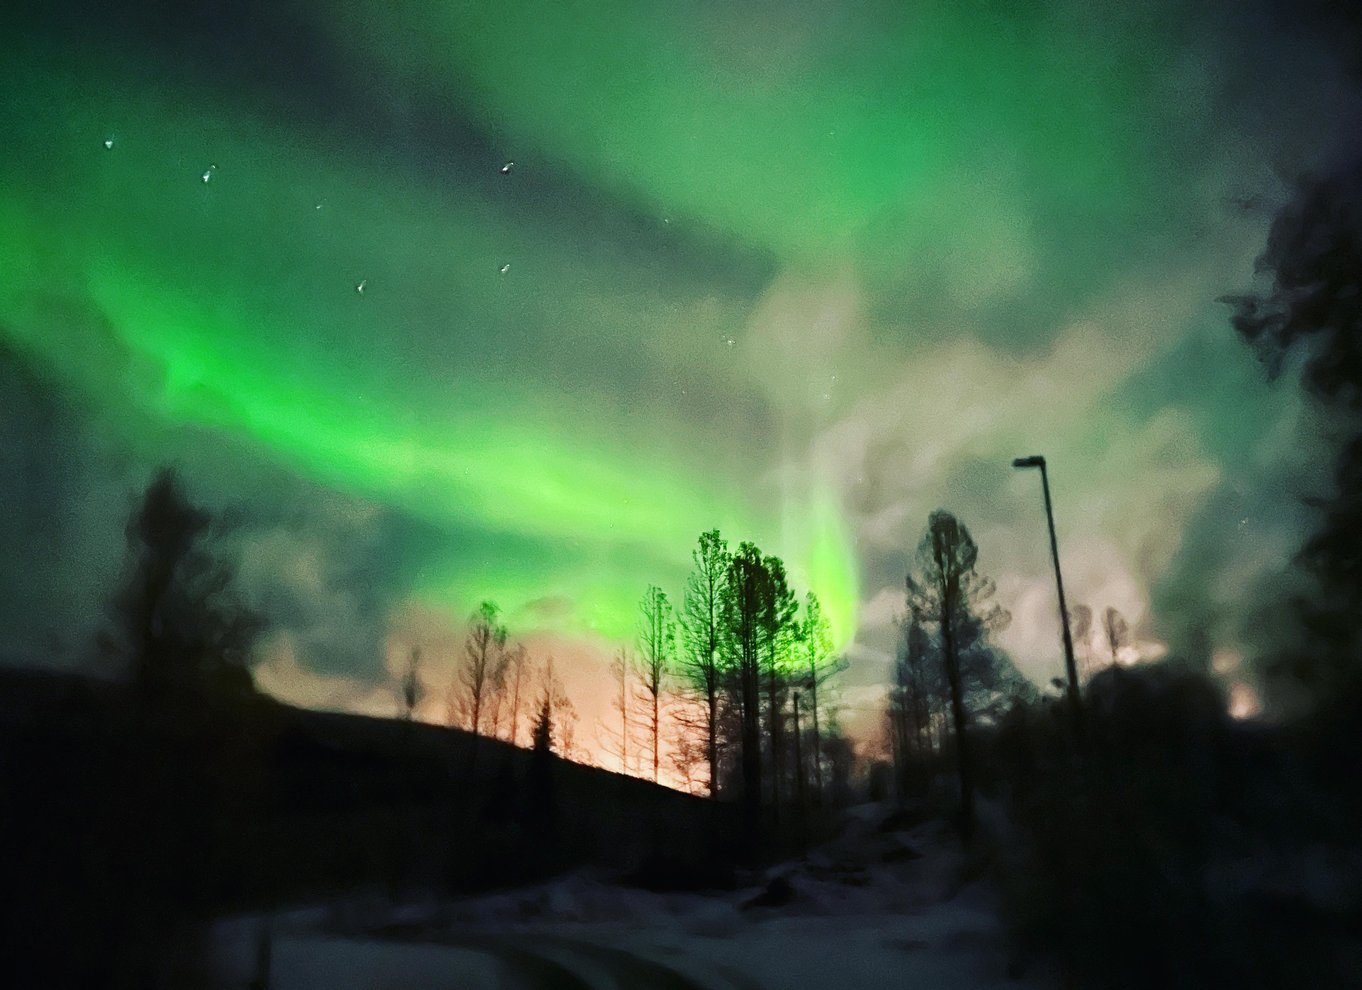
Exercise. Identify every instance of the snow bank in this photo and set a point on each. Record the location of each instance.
(880, 905)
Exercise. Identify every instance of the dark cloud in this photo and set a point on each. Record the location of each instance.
(60, 522)
(321, 584)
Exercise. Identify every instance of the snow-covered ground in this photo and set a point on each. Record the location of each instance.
(878, 907)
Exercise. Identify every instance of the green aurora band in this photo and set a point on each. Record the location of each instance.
(219, 303)
(823, 131)
(981, 165)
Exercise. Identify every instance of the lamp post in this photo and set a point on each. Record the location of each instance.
(1036, 460)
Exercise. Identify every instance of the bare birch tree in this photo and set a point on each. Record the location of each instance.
(657, 647)
(473, 681)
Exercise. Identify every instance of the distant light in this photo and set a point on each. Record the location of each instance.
(1226, 661)
(109, 143)
(360, 286)
(505, 268)
(1244, 701)
(505, 169)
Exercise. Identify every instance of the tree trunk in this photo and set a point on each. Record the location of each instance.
(515, 705)
(712, 752)
(800, 809)
(962, 756)
(817, 739)
(773, 732)
(751, 755)
(656, 730)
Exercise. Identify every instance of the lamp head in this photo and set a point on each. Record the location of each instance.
(1035, 460)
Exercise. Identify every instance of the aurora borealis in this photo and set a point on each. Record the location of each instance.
(512, 300)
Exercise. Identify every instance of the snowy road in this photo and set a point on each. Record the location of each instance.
(880, 907)
(936, 949)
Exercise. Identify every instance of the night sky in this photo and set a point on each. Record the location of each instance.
(440, 302)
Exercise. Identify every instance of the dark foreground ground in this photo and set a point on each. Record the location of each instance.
(884, 904)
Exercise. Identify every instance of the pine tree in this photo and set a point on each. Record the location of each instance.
(541, 734)
(176, 619)
(745, 595)
(542, 808)
(778, 608)
(945, 593)
(815, 642)
(702, 626)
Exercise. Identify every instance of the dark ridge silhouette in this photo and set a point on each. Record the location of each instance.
(132, 828)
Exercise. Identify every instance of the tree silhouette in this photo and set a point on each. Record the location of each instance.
(513, 665)
(657, 644)
(411, 684)
(777, 621)
(919, 677)
(541, 799)
(482, 654)
(689, 752)
(541, 734)
(816, 645)
(744, 601)
(702, 627)
(1313, 311)
(619, 742)
(176, 618)
(168, 799)
(1314, 252)
(945, 592)
(494, 704)
(1117, 631)
(1080, 622)
(561, 709)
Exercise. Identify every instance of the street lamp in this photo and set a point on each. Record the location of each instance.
(1036, 460)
